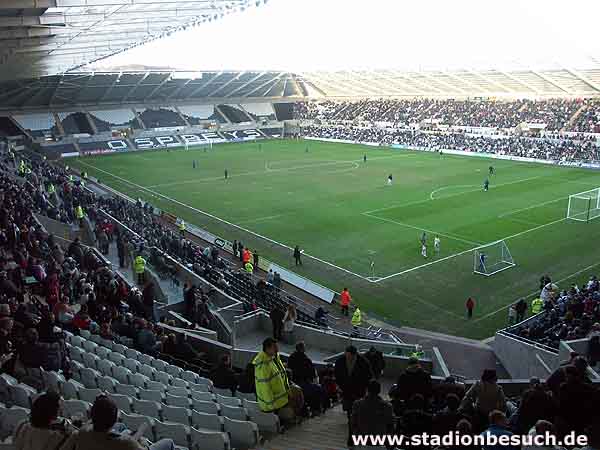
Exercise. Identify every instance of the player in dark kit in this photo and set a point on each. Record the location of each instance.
(193, 164)
(226, 174)
(491, 170)
(486, 185)
(365, 158)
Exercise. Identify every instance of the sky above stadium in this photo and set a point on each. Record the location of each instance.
(307, 35)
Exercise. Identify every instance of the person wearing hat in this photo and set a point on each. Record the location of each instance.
(352, 374)
(356, 317)
(484, 397)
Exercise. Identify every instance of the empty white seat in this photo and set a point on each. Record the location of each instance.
(138, 380)
(180, 391)
(89, 346)
(147, 394)
(11, 418)
(176, 431)
(102, 352)
(85, 334)
(147, 408)
(96, 339)
(133, 422)
(132, 364)
(76, 353)
(246, 396)
(132, 353)
(243, 434)
(126, 389)
(76, 366)
(175, 400)
(89, 395)
(223, 392)
(175, 371)
(106, 343)
(145, 359)
(107, 383)
(119, 348)
(76, 408)
(90, 360)
(105, 367)
(70, 389)
(206, 381)
(121, 374)
(156, 386)
(206, 407)
(266, 422)
(229, 401)
(234, 412)
(158, 364)
(89, 377)
(176, 414)
(213, 440)
(198, 387)
(205, 421)
(116, 357)
(203, 396)
(21, 394)
(250, 405)
(53, 381)
(163, 377)
(77, 341)
(123, 402)
(147, 371)
(179, 382)
(5, 382)
(190, 376)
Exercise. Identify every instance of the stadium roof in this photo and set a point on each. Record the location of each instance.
(73, 90)
(45, 37)
(566, 82)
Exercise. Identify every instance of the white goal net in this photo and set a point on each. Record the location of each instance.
(584, 206)
(492, 258)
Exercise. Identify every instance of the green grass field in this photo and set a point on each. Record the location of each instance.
(339, 209)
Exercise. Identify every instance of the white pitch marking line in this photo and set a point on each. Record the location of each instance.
(432, 195)
(514, 211)
(177, 202)
(467, 251)
(418, 202)
(449, 236)
(261, 219)
(591, 266)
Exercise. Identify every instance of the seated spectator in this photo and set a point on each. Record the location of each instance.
(559, 376)
(415, 420)
(498, 427)
(106, 332)
(223, 376)
(43, 431)
(446, 420)
(104, 415)
(372, 415)
(542, 428)
(81, 320)
(536, 403)
(484, 397)
(577, 398)
(146, 339)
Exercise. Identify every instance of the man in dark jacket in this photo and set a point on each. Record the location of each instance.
(148, 299)
(414, 380)
(352, 374)
(276, 316)
(376, 360)
(521, 308)
(372, 415)
(301, 366)
(223, 376)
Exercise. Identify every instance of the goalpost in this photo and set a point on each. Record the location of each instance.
(584, 206)
(492, 258)
(208, 145)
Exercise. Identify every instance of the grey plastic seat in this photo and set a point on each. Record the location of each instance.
(70, 389)
(123, 402)
(147, 408)
(107, 383)
(243, 434)
(76, 408)
(147, 394)
(175, 400)
(206, 407)
(234, 412)
(203, 421)
(134, 421)
(176, 414)
(214, 440)
(176, 431)
(203, 396)
(228, 400)
(89, 395)
(179, 391)
(126, 389)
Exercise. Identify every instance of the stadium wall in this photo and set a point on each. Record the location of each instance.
(523, 359)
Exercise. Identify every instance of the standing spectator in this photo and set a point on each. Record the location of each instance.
(289, 322)
(241, 251)
(277, 280)
(223, 376)
(372, 415)
(139, 267)
(345, 300)
(512, 314)
(414, 380)
(272, 385)
(121, 251)
(484, 397)
(302, 367)
(42, 431)
(536, 403)
(321, 316)
(521, 308)
(356, 318)
(352, 374)
(537, 305)
(470, 305)
(255, 259)
(298, 255)
(270, 276)
(148, 297)
(375, 358)
(104, 414)
(277, 316)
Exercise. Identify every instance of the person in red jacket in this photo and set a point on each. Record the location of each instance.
(345, 300)
(247, 256)
(470, 305)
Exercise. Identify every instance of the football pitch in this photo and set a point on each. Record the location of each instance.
(359, 232)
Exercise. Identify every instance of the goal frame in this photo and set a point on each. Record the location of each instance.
(591, 200)
(204, 145)
(505, 262)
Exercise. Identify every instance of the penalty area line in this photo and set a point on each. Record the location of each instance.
(177, 202)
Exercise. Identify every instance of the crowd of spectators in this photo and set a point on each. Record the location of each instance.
(554, 113)
(589, 120)
(562, 150)
(567, 314)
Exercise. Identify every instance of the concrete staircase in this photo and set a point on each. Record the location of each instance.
(574, 117)
(326, 432)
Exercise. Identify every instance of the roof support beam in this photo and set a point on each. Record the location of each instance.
(252, 80)
(586, 80)
(551, 81)
(271, 81)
